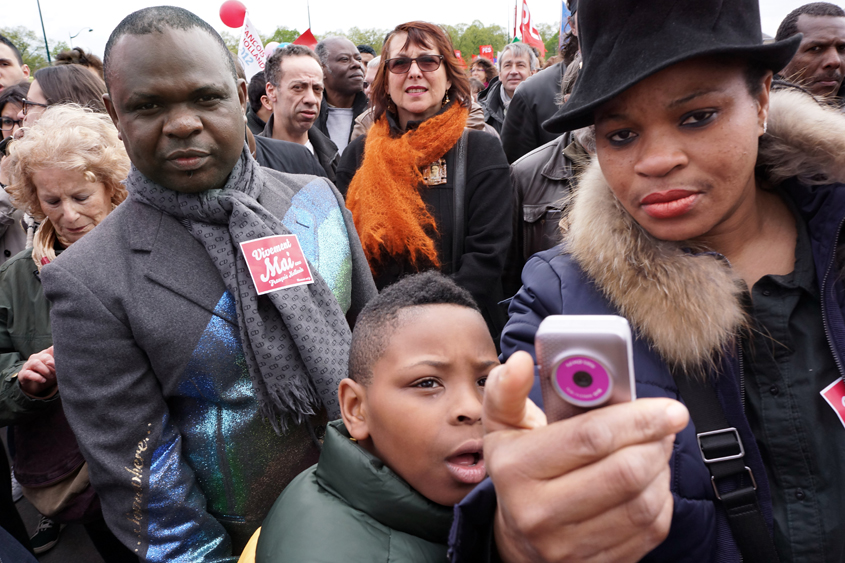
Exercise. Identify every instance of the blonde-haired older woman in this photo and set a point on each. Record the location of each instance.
(66, 172)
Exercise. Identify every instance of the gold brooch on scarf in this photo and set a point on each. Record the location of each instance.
(435, 174)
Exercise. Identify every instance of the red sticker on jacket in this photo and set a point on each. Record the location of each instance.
(276, 262)
(834, 394)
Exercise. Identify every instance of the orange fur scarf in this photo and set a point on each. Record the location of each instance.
(384, 198)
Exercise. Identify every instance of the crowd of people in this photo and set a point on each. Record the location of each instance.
(293, 318)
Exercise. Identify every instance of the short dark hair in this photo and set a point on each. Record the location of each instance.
(754, 75)
(159, 18)
(78, 56)
(13, 94)
(71, 84)
(257, 88)
(322, 49)
(789, 26)
(366, 49)
(273, 66)
(380, 317)
(6, 41)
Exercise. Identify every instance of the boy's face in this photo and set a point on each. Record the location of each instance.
(421, 412)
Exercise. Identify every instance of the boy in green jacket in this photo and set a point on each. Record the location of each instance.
(409, 445)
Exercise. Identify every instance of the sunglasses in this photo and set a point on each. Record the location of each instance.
(7, 123)
(27, 103)
(426, 63)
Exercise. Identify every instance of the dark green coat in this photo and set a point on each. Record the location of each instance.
(24, 330)
(351, 507)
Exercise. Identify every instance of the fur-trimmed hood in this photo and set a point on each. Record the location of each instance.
(687, 305)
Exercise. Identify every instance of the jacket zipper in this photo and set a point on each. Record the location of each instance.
(824, 306)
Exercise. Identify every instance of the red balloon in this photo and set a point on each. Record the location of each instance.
(232, 13)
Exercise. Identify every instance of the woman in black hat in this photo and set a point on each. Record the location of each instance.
(711, 220)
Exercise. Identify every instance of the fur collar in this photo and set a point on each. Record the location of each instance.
(687, 305)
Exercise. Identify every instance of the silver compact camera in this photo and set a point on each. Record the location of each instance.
(586, 361)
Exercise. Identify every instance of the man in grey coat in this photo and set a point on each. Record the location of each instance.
(195, 396)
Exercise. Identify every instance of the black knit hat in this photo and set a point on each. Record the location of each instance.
(624, 41)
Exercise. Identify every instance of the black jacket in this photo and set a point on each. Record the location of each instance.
(325, 150)
(533, 102)
(494, 109)
(359, 106)
(488, 220)
(285, 156)
(255, 123)
(541, 180)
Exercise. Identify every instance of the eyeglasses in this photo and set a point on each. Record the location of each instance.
(426, 63)
(7, 123)
(27, 103)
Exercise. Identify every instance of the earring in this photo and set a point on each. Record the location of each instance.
(391, 106)
(445, 100)
(765, 127)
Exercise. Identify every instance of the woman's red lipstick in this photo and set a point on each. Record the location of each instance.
(669, 204)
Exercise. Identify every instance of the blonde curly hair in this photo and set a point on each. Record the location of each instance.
(67, 137)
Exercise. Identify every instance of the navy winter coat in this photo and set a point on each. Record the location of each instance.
(554, 283)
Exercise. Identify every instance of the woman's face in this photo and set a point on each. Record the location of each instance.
(9, 114)
(679, 148)
(418, 95)
(478, 73)
(33, 113)
(73, 204)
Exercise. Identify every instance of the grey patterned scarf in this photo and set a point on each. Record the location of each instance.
(295, 340)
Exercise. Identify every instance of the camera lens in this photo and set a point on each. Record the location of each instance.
(582, 379)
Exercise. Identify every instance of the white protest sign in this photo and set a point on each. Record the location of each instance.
(251, 50)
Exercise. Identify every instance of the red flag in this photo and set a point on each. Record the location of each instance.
(486, 51)
(307, 39)
(460, 58)
(530, 34)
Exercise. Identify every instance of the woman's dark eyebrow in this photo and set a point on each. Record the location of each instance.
(681, 101)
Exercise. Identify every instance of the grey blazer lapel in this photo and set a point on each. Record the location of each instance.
(176, 261)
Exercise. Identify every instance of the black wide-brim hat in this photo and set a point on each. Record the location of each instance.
(624, 41)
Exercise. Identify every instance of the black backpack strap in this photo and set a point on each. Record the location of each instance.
(724, 455)
(459, 195)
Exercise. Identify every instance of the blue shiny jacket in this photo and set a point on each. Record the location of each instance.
(554, 284)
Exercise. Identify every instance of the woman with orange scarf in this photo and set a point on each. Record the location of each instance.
(400, 179)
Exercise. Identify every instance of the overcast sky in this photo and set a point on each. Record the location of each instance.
(63, 18)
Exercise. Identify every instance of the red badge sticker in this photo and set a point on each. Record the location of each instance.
(276, 262)
(834, 394)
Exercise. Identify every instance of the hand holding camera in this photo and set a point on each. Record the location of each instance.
(586, 361)
(592, 486)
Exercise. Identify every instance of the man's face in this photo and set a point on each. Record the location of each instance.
(369, 78)
(514, 70)
(177, 107)
(11, 71)
(819, 64)
(344, 69)
(296, 100)
(366, 58)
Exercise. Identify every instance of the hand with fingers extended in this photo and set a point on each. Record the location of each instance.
(37, 377)
(594, 487)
